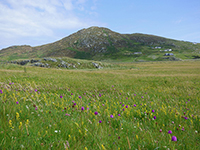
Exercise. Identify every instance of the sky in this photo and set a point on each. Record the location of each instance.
(38, 22)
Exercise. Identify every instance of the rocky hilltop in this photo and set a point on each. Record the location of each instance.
(100, 43)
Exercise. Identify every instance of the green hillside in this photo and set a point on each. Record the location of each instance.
(98, 43)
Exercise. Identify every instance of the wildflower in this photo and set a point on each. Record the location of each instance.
(17, 115)
(100, 121)
(17, 102)
(119, 115)
(186, 118)
(1, 91)
(74, 103)
(174, 138)
(142, 97)
(134, 94)
(137, 136)
(183, 129)
(123, 109)
(27, 122)
(36, 108)
(71, 93)
(196, 131)
(153, 110)
(79, 97)
(170, 132)
(154, 117)
(10, 123)
(20, 125)
(96, 113)
(126, 106)
(61, 96)
(102, 146)
(134, 105)
(173, 122)
(35, 90)
(86, 148)
(82, 108)
(111, 116)
(160, 130)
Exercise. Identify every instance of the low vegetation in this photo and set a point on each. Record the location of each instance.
(151, 105)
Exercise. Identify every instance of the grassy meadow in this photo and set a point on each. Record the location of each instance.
(143, 106)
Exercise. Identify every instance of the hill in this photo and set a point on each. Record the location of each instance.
(98, 43)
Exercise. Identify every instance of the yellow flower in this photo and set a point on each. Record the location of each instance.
(86, 148)
(102, 146)
(137, 136)
(20, 125)
(17, 115)
(10, 123)
(27, 122)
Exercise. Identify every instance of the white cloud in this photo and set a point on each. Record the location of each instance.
(36, 18)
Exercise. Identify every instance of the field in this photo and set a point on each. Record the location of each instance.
(150, 105)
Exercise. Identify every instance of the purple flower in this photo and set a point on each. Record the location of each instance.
(126, 106)
(154, 117)
(123, 109)
(183, 129)
(127, 98)
(170, 132)
(67, 114)
(134, 94)
(134, 105)
(79, 97)
(111, 116)
(9, 83)
(1, 91)
(186, 118)
(74, 103)
(36, 108)
(71, 93)
(96, 113)
(160, 130)
(174, 138)
(173, 122)
(100, 121)
(119, 115)
(35, 90)
(82, 108)
(123, 105)
(153, 110)
(142, 97)
(17, 102)
(99, 94)
(61, 96)
(112, 85)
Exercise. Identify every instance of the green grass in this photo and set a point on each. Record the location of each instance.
(34, 116)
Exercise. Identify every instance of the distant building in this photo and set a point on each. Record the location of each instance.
(157, 47)
(169, 54)
(136, 53)
(167, 50)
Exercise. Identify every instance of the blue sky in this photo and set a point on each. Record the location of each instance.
(37, 22)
